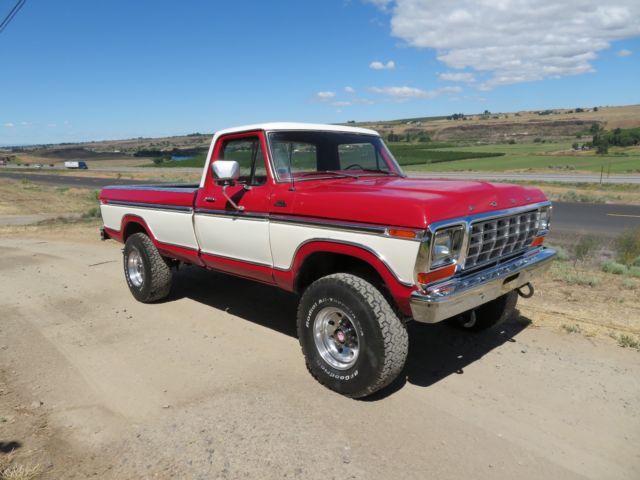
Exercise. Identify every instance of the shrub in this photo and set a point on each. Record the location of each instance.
(93, 212)
(585, 247)
(634, 271)
(561, 253)
(615, 268)
(628, 246)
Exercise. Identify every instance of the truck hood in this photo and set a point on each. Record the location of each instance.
(406, 202)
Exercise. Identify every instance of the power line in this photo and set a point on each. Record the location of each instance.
(7, 20)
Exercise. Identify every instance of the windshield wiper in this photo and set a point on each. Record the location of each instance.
(379, 170)
(330, 172)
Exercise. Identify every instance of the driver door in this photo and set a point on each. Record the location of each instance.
(232, 240)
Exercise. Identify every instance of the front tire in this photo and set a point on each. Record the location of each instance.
(352, 340)
(148, 274)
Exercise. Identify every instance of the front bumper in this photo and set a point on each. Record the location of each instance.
(457, 295)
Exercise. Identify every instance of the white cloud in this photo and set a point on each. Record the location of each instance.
(381, 4)
(324, 96)
(412, 92)
(625, 53)
(515, 40)
(349, 89)
(8, 125)
(457, 77)
(376, 65)
(341, 104)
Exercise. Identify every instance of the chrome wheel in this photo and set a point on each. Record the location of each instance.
(135, 267)
(336, 338)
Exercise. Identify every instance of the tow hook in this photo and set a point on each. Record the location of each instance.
(528, 294)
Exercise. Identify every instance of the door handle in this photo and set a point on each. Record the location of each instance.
(280, 203)
(209, 199)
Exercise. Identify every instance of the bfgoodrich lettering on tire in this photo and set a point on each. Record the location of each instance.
(147, 273)
(352, 340)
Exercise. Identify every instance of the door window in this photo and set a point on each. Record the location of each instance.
(248, 153)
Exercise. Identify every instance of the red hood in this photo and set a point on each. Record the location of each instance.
(406, 202)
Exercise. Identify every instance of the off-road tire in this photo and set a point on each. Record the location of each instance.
(490, 314)
(157, 276)
(383, 337)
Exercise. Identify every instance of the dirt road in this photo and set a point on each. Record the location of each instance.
(212, 384)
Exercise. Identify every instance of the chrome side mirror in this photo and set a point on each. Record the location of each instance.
(226, 171)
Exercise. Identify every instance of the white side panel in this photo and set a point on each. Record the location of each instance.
(400, 255)
(239, 238)
(166, 226)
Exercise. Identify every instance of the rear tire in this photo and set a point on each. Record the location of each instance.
(352, 340)
(490, 314)
(147, 272)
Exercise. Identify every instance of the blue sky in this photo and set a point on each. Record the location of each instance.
(79, 70)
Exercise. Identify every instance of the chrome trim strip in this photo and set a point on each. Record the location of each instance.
(325, 223)
(457, 295)
(187, 188)
(260, 264)
(210, 212)
(149, 206)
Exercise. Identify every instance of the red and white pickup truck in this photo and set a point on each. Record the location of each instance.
(326, 212)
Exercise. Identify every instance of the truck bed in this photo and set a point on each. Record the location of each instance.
(160, 195)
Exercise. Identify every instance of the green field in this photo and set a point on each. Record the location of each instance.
(535, 156)
(496, 158)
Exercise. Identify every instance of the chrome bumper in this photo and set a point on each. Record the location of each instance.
(451, 297)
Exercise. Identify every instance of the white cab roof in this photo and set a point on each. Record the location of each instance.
(275, 126)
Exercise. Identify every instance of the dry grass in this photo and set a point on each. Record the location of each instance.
(21, 472)
(26, 198)
(10, 469)
(580, 294)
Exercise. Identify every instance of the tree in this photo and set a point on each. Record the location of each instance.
(575, 146)
(603, 147)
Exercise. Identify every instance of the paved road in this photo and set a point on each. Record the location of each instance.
(597, 219)
(531, 177)
(594, 219)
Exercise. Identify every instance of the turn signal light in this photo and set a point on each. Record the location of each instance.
(394, 232)
(537, 241)
(441, 273)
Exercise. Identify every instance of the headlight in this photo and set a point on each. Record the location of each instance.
(545, 220)
(446, 246)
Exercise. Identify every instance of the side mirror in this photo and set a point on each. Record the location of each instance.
(225, 171)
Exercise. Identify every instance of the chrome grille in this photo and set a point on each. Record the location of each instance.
(493, 239)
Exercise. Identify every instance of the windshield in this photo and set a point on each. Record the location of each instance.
(332, 154)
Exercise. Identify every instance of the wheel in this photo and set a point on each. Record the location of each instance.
(352, 340)
(148, 274)
(490, 314)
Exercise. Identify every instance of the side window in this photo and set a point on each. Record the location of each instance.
(362, 155)
(303, 157)
(248, 153)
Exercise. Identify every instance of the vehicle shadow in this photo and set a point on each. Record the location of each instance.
(8, 447)
(435, 351)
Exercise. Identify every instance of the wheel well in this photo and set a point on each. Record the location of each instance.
(131, 228)
(321, 264)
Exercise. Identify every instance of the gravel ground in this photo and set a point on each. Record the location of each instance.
(212, 384)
